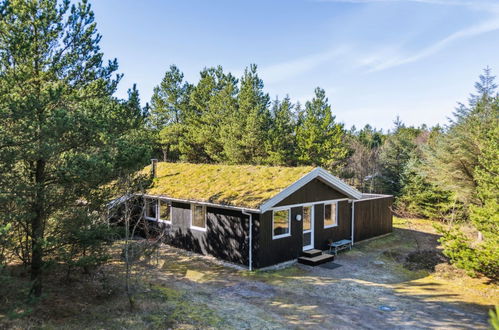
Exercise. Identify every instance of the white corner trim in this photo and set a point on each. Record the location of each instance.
(250, 239)
(326, 177)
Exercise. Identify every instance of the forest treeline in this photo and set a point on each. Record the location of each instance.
(448, 172)
(66, 140)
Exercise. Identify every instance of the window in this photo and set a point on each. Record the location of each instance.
(165, 211)
(281, 224)
(330, 215)
(307, 218)
(151, 208)
(198, 217)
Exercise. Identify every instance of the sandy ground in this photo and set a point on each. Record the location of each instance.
(349, 296)
(366, 288)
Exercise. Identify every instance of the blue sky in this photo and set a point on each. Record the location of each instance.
(376, 59)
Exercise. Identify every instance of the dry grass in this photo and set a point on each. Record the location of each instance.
(98, 301)
(458, 286)
(236, 185)
(184, 290)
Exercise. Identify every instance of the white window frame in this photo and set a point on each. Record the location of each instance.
(158, 211)
(193, 205)
(289, 222)
(336, 215)
(146, 201)
(312, 223)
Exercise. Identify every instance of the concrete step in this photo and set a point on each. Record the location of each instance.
(317, 260)
(311, 253)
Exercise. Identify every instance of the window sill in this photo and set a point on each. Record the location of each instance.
(330, 226)
(197, 228)
(281, 236)
(168, 222)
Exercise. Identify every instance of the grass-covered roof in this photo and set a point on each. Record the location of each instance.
(235, 185)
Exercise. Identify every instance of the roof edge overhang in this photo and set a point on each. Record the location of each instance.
(320, 173)
(193, 201)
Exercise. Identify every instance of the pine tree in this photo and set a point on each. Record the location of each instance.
(247, 128)
(395, 154)
(62, 133)
(485, 88)
(455, 155)
(485, 215)
(419, 197)
(169, 108)
(223, 106)
(282, 139)
(320, 140)
(211, 102)
(468, 164)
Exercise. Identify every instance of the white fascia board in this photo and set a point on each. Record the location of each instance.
(318, 172)
(339, 184)
(192, 201)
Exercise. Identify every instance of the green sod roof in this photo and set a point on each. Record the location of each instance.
(235, 185)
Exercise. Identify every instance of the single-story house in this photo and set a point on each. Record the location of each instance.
(259, 216)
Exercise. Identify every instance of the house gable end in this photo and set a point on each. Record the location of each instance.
(314, 191)
(328, 179)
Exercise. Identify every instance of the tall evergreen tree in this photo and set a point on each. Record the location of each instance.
(395, 154)
(282, 139)
(211, 103)
(249, 125)
(419, 196)
(169, 108)
(485, 89)
(455, 155)
(63, 134)
(320, 139)
(465, 161)
(485, 215)
(223, 106)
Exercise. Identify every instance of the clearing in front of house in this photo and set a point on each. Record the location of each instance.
(385, 282)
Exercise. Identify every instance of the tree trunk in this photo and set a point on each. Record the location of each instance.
(37, 230)
(166, 151)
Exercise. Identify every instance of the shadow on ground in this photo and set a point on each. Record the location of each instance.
(180, 289)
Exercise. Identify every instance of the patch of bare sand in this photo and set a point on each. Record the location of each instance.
(349, 296)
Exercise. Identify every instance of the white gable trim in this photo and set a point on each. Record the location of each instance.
(318, 172)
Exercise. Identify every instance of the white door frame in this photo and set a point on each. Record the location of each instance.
(311, 230)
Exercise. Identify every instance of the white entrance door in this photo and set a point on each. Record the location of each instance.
(308, 227)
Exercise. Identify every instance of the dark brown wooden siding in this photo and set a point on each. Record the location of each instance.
(273, 251)
(373, 217)
(342, 231)
(226, 235)
(314, 191)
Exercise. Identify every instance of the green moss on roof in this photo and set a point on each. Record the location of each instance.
(236, 185)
